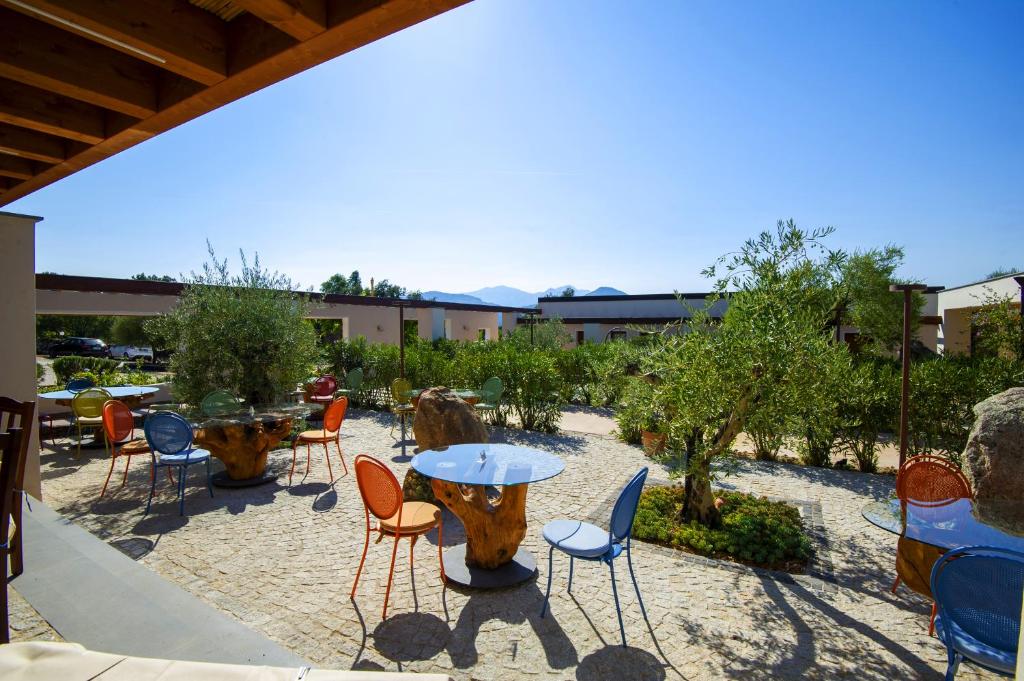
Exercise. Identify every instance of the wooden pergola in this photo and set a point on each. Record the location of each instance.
(81, 80)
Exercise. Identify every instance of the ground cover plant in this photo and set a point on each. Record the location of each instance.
(752, 529)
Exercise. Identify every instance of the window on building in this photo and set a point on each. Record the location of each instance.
(483, 334)
(579, 338)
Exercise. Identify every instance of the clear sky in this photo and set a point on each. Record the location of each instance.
(536, 143)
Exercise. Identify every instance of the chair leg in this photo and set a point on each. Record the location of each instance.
(109, 473)
(412, 545)
(17, 553)
(209, 482)
(78, 453)
(292, 471)
(327, 455)
(391, 576)
(618, 608)
(127, 462)
(152, 491)
(341, 455)
(547, 594)
(307, 458)
(629, 562)
(181, 490)
(895, 584)
(440, 545)
(931, 623)
(572, 560)
(362, 560)
(953, 664)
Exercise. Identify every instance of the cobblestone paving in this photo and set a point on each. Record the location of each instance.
(281, 559)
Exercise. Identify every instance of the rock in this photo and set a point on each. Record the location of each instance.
(993, 460)
(442, 419)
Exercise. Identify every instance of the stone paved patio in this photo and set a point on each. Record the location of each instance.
(281, 559)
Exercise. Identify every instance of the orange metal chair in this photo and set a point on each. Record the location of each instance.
(334, 415)
(119, 427)
(925, 479)
(382, 496)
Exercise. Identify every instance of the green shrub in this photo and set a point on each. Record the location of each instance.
(869, 405)
(633, 413)
(753, 529)
(66, 368)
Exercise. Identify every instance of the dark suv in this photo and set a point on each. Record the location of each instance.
(80, 347)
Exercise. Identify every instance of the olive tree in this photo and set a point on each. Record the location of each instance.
(775, 336)
(246, 333)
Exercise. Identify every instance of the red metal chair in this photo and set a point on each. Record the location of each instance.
(119, 427)
(925, 480)
(323, 390)
(382, 496)
(334, 415)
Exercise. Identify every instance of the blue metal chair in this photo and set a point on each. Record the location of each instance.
(978, 593)
(77, 385)
(170, 440)
(589, 542)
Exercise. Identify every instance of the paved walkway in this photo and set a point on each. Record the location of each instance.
(281, 559)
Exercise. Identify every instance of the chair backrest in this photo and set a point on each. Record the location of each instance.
(77, 385)
(118, 421)
(978, 588)
(492, 390)
(15, 414)
(334, 414)
(11, 452)
(89, 403)
(325, 385)
(927, 478)
(378, 486)
(625, 507)
(219, 402)
(354, 379)
(168, 433)
(400, 388)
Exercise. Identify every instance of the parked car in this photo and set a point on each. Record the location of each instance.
(81, 347)
(132, 352)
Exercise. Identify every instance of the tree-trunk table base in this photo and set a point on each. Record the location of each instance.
(522, 567)
(243, 446)
(222, 479)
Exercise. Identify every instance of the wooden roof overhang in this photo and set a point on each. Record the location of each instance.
(81, 80)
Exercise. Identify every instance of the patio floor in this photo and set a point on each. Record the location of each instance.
(281, 560)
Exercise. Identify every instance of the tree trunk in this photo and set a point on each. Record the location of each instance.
(243, 447)
(494, 529)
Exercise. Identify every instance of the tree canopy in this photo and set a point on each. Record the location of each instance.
(352, 285)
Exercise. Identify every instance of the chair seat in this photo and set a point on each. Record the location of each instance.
(191, 456)
(398, 408)
(90, 420)
(976, 651)
(485, 405)
(417, 516)
(136, 446)
(321, 399)
(577, 538)
(317, 436)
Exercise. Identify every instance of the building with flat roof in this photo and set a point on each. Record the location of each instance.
(956, 307)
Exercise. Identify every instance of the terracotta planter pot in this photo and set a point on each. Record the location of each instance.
(654, 443)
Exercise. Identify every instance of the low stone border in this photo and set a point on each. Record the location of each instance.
(819, 576)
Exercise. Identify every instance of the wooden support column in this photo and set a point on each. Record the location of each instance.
(908, 294)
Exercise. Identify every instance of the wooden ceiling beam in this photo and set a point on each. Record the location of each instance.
(39, 110)
(18, 168)
(170, 34)
(32, 145)
(301, 19)
(360, 22)
(36, 54)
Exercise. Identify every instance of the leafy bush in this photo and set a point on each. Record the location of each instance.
(66, 368)
(635, 410)
(247, 334)
(753, 529)
(869, 405)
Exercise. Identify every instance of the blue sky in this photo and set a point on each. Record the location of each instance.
(537, 143)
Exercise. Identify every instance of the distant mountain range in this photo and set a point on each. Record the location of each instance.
(512, 297)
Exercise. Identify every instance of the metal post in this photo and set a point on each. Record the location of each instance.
(401, 341)
(908, 293)
(1020, 351)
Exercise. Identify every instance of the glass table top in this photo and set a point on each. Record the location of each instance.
(488, 464)
(947, 525)
(114, 390)
(463, 394)
(261, 413)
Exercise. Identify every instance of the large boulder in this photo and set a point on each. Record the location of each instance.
(442, 419)
(993, 460)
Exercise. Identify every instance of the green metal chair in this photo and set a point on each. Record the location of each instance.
(87, 406)
(219, 403)
(402, 403)
(353, 381)
(490, 395)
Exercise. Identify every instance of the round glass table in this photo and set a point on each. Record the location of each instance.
(466, 395)
(462, 477)
(241, 439)
(131, 395)
(948, 525)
